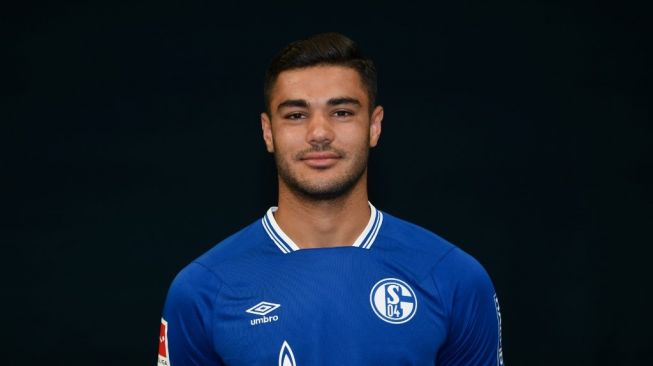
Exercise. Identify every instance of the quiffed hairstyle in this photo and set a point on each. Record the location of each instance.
(321, 49)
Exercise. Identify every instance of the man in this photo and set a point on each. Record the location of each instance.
(325, 278)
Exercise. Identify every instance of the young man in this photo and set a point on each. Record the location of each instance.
(325, 278)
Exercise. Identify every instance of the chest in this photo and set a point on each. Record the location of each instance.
(343, 310)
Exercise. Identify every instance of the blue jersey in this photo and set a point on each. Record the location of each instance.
(400, 295)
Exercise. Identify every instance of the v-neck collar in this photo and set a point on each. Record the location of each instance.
(287, 245)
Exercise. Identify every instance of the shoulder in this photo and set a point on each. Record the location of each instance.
(203, 275)
(402, 238)
(463, 283)
(227, 262)
(459, 268)
(244, 244)
(406, 231)
(429, 252)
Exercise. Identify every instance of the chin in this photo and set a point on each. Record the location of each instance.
(323, 194)
(322, 190)
(322, 185)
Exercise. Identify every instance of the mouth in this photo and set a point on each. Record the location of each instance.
(320, 160)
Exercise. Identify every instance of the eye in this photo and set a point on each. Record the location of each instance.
(294, 116)
(343, 113)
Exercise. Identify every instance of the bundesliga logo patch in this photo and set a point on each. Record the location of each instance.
(393, 301)
(164, 360)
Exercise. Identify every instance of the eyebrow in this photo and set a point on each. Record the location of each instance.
(343, 100)
(302, 103)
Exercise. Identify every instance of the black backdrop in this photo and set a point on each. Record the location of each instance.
(131, 144)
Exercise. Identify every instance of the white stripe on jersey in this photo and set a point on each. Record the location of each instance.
(287, 245)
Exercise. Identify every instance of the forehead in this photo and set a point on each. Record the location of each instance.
(318, 84)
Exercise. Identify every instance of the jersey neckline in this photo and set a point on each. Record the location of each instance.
(286, 245)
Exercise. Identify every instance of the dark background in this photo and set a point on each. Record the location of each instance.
(521, 131)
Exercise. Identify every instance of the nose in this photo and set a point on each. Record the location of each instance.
(320, 131)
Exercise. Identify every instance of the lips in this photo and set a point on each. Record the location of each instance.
(323, 159)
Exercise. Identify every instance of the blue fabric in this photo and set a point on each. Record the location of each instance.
(410, 298)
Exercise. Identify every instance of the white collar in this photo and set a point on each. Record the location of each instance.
(364, 240)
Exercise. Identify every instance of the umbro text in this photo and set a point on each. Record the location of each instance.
(264, 319)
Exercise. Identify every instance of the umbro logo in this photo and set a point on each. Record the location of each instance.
(263, 308)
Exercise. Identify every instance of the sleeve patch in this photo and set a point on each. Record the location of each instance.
(499, 345)
(164, 359)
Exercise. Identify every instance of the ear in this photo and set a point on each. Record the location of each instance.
(375, 125)
(266, 126)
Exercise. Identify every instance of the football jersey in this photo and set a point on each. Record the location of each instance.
(400, 295)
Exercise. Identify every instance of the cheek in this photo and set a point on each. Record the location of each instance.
(356, 136)
(285, 142)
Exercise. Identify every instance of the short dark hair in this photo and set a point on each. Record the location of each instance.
(321, 49)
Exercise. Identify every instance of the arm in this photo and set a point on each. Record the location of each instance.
(474, 333)
(186, 327)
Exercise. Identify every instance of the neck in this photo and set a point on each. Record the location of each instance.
(323, 223)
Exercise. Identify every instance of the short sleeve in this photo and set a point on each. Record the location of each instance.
(186, 325)
(474, 329)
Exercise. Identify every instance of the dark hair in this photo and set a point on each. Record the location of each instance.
(321, 49)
